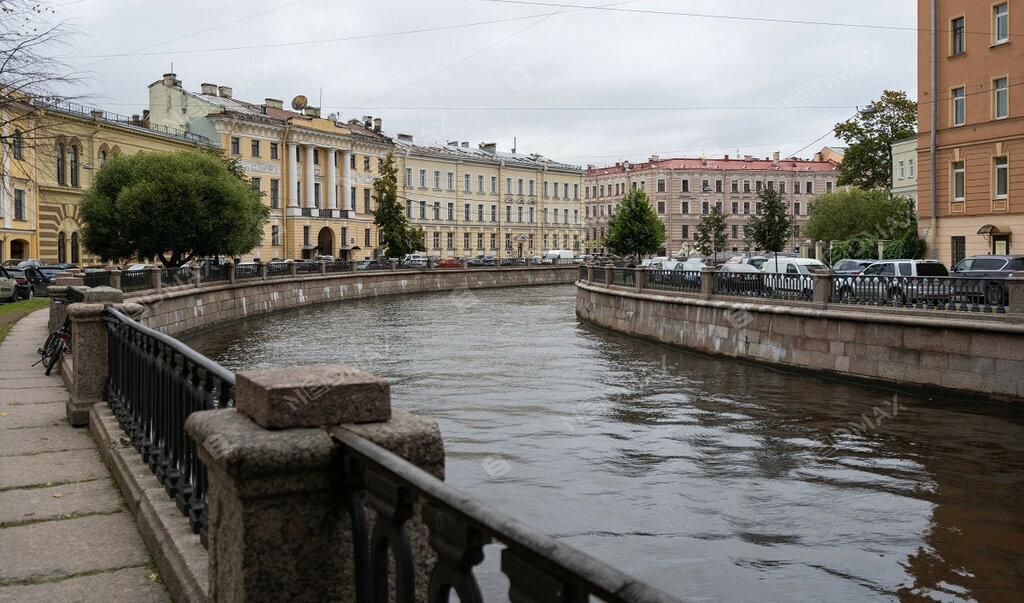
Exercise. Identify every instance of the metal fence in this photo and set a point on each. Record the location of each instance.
(279, 268)
(307, 267)
(134, 280)
(957, 293)
(599, 274)
(625, 277)
(155, 382)
(674, 280)
(460, 527)
(172, 277)
(337, 267)
(96, 279)
(214, 272)
(245, 271)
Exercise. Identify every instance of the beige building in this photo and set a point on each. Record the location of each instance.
(478, 201)
(904, 168)
(682, 190)
(316, 174)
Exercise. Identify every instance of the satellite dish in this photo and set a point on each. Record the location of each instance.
(299, 103)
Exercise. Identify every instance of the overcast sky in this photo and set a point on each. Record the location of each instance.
(577, 84)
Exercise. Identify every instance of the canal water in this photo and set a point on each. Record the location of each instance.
(709, 478)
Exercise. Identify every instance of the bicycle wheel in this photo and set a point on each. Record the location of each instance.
(58, 351)
(47, 350)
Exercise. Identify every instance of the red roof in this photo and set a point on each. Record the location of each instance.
(718, 164)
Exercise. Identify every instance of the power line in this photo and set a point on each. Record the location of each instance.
(644, 109)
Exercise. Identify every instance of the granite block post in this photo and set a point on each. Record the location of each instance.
(278, 522)
(230, 268)
(1015, 282)
(822, 293)
(640, 277)
(153, 275)
(608, 274)
(707, 282)
(115, 279)
(261, 271)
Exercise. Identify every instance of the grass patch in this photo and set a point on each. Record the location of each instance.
(25, 304)
(4, 330)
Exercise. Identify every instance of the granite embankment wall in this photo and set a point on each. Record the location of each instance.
(953, 352)
(180, 310)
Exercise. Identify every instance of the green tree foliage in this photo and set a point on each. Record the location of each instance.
(710, 233)
(634, 228)
(846, 213)
(772, 229)
(867, 161)
(396, 236)
(171, 205)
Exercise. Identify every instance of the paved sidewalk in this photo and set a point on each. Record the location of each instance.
(65, 532)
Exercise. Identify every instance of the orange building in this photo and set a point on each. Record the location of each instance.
(978, 177)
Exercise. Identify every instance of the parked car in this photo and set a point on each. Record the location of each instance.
(850, 266)
(559, 256)
(662, 264)
(377, 264)
(8, 286)
(449, 263)
(899, 282)
(481, 260)
(982, 278)
(535, 260)
(513, 261)
(792, 275)
(739, 279)
(413, 260)
(31, 281)
(324, 258)
(139, 267)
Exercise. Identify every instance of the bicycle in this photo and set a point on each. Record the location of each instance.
(57, 344)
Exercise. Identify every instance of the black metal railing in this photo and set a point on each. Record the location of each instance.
(279, 268)
(583, 273)
(155, 382)
(134, 280)
(460, 527)
(96, 279)
(62, 106)
(740, 283)
(674, 280)
(172, 277)
(245, 271)
(307, 267)
(625, 277)
(214, 272)
(337, 267)
(958, 293)
(599, 274)
(794, 287)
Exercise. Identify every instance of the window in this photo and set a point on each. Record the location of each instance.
(367, 241)
(828, 186)
(18, 145)
(757, 208)
(796, 187)
(735, 186)
(1001, 22)
(465, 240)
(796, 209)
(718, 206)
(958, 106)
(467, 183)
(704, 208)
(480, 240)
(102, 156)
(494, 185)
(408, 208)
(685, 232)
(642, 187)
(758, 185)
(782, 186)
(746, 186)
(275, 235)
(367, 202)
(19, 204)
(466, 209)
(73, 160)
(519, 214)
(423, 178)
(437, 179)
(480, 183)
(316, 194)
(1001, 174)
(256, 184)
(957, 30)
(508, 213)
(910, 168)
(451, 212)
(451, 181)
(494, 213)
(959, 246)
(556, 190)
(352, 198)
(735, 231)
(685, 185)
(1001, 93)
(408, 176)
(366, 162)
(437, 240)
(809, 188)
(275, 193)
(61, 250)
(575, 216)
(508, 186)
(746, 207)
(273, 150)
(902, 170)
(684, 208)
(298, 192)
(735, 207)
(958, 180)
(519, 186)
(423, 210)
(771, 185)
(533, 214)
(235, 146)
(718, 186)
(255, 148)
(450, 240)
(480, 212)
(661, 185)
(704, 186)
(437, 210)
(74, 248)
(305, 235)
(494, 241)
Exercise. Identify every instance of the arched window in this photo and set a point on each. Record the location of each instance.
(18, 145)
(74, 248)
(60, 164)
(61, 254)
(73, 155)
(103, 156)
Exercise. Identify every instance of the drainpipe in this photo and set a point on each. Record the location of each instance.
(931, 150)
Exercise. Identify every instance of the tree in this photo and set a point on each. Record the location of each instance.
(711, 233)
(396, 236)
(171, 205)
(771, 230)
(843, 214)
(634, 228)
(867, 162)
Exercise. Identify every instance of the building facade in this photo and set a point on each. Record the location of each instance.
(977, 204)
(479, 201)
(904, 168)
(682, 190)
(316, 174)
(50, 162)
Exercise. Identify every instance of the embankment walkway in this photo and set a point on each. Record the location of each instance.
(65, 531)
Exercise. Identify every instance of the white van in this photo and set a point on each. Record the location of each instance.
(792, 276)
(788, 265)
(560, 256)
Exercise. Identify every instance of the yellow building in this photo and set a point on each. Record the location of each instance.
(479, 201)
(316, 174)
(53, 152)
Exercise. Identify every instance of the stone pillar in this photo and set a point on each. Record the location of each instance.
(293, 269)
(393, 264)
(115, 279)
(68, 279)
(86, 378)
(197, 277)
(881, 250)
(153, 275)
(1015, 305)
(58, 308)
(465, 263)
(310, 178)
(608, 274)
(332, 180)
(323, 267)
(293, 175)
(230, 268)
(346, 180)
(590, 273)
(819, 251)
(430, 264)
(277, 505)
(261, 271)
(822, 289)
(707, 282)
(640, 277)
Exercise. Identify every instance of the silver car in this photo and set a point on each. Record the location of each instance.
(898, 282)
(8, 286)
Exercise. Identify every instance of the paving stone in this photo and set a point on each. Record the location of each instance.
(52, 393)
(33, 440)
(56, 467)
(55, 549)
(16, 416)
(55, 502)
(130, 584)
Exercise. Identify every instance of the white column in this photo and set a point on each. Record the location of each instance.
(332, 180)
(310, 177)
(293, 176)
(346, 180)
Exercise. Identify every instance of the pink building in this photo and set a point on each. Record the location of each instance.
(682, 190)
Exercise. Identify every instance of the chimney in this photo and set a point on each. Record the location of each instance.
(224, 91)
(489, 147)
(727, 158)
(775, 156)
(376, 125)
(312, 112)
(135, 120)
(368, 122)
(170, 79)
(274, 103)
(591, 166)
(210, 89)
(748, 158)
(655, 158)
(453, 143)
(465, 145)
(405, 137)
(145, 117)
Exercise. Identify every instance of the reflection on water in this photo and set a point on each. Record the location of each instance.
(709, 478)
